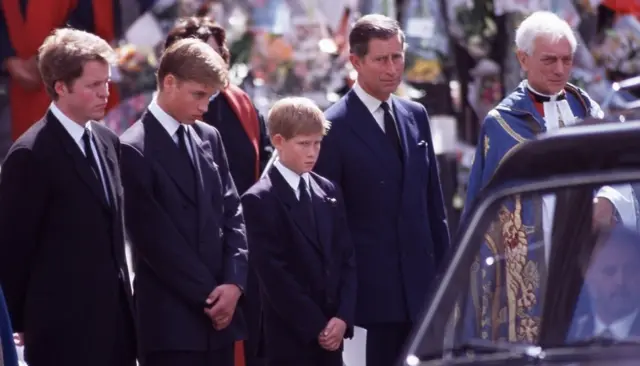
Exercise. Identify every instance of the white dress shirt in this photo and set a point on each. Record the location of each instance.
(292, 178)
(620, 328)
(76, 131)
(170, 124)
(373, 105)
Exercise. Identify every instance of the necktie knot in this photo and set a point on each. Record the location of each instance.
(385, 107)
(302, 187)
(181, 132)
(86, 137)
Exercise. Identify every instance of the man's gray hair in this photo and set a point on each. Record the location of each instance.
(545, 24)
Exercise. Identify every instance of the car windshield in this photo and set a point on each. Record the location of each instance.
(547, 267)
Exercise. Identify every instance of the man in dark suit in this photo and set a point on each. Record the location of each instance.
(301, 249)
(184, 218)
(62, 258)
(246, 143)
(611, 277)
(379, 151)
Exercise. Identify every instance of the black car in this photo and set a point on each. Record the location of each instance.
(546, 269)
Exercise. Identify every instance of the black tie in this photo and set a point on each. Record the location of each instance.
(390, 129)
(306, 205)
(93, 163)
(183, 139)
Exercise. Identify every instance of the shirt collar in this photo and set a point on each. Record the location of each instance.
(290, 176)
(74, 129)
(369, 101)
(169, 123)
(619, 328)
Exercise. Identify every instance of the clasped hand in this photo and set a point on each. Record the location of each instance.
(223, 299)
(331, 337)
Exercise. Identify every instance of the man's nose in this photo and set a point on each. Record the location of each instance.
(560, 67)
(104, 91)
(203, 107)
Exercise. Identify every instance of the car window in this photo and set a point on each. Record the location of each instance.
(541, 268)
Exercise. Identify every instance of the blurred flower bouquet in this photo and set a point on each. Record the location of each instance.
(137, 70)
(472, 25)
(619, 52)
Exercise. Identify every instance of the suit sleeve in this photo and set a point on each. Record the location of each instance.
(329, 163)
(347, 306)
(234, 232)
(24, 194)
(265, 148)
(6, 48)
(436, 207)
(267, 258)
(155, 238)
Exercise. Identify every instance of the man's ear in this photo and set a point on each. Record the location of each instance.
(277, 140)
(523, 59)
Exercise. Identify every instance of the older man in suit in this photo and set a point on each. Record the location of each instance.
(379, 151)
(62, 254)
(184, 218)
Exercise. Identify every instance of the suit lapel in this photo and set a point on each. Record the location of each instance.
(109, 166)
(288, 197)
(206, 171)
(323, 216)
(407, 128)
(169, 156)
(79, 159)
(365, 126)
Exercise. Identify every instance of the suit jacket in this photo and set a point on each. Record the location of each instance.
(394, 207)
(188, 234)
(305, 279)
(62, 259)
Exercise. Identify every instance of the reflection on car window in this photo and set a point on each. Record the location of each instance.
(561, 265)
(612, 288)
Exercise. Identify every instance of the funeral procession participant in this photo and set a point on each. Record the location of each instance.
(184, 218)
(230, 110)
(379, 151)
(247, 145)
(544, 101)
(301, 249)
(62, 257)
(611, 276)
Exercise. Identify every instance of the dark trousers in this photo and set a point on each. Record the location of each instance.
(218, 357)
(385, 343)
(314, 357)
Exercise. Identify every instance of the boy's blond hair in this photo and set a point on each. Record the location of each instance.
(293, 116)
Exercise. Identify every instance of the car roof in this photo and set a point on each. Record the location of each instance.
(592, 146)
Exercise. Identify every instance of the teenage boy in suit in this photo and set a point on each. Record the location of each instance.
(299, 245)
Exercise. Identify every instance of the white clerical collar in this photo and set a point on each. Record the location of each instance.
(557, 111)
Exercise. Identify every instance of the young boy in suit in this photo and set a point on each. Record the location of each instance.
(299, 245)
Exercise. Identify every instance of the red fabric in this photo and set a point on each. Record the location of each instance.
(246, 113)
(623, 7)
(26, 35)
(539, 106)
